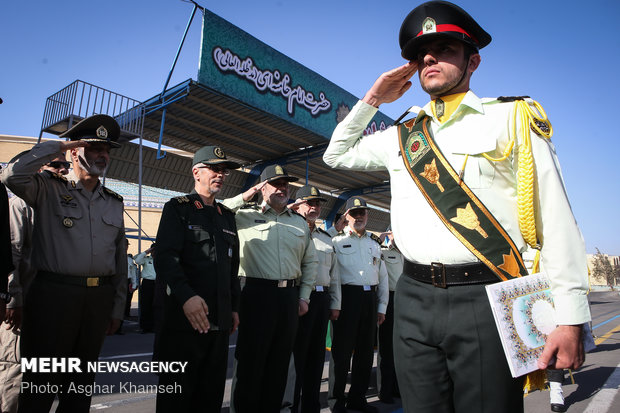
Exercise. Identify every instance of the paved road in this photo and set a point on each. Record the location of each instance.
(595, 388)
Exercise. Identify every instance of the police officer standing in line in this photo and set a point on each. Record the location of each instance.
(197, 257)
(364, 301)
(21, 222)
(146, 292)
(483, 181)
(6, 262)
(309, 352)
(80, 288)
(386, 375)
(278, 261)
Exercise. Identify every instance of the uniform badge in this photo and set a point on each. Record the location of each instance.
(102, 132)
(416, 147)
(259, 221)
(228, 232)
(218, 152)
(429, 25)
(279, 170)
(67, 222)
(314, 192)
(357, 202)
(198, 204)
(66, 198)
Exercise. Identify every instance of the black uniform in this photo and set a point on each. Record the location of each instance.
(196, 253)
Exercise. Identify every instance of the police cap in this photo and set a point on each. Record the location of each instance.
(434, 19)
(274, 172)
(308, 192)
(95, 129)
(213, 155)
(356, 202)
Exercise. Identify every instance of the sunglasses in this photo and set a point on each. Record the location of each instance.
(59, 164)
(217, 169)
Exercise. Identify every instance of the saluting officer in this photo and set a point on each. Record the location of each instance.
(386, 374)
(197, 257)
(278, 261)
(79, 251)
(364, 285)
(309, 352)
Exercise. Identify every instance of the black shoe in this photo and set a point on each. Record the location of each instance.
(555, 407)
(362, 407)
(339, 407)
(386, 399)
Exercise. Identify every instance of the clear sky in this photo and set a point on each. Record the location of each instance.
(565, 54)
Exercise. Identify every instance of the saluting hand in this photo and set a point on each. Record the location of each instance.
(68, 145)
(249, 194)
(391, 85)
(196, 311)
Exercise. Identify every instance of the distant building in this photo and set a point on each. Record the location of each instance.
(600, 281)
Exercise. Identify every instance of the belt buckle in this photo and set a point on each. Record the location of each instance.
(282, 283)
(92, 282)
(438, 275)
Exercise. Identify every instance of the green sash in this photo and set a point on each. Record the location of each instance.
(455, 204)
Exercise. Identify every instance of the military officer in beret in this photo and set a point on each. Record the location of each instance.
(364, 285)
(279, 267)
(473, 182)
(79, 247)
(309, 352)
(197, 257)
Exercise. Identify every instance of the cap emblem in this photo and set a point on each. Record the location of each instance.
(102, 132)
(429, 25)
(314, 192)
(279, 170)
(218, 152)
(357, 202)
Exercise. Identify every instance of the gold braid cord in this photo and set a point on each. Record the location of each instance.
(527, 116)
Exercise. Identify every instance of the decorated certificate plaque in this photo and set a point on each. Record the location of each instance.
(524, 315)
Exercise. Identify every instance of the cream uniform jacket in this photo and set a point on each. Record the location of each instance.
(394, 262)
(76, 232)
(274, 246)
(477, 126)
(359, 260)
(328, 274)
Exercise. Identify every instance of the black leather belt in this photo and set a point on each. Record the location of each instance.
(442, 276)
(75, 279)
(360, 287)
(272, 283)
(321, 288)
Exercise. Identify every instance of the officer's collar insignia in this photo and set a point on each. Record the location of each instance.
(67, 222)
(66, 198)
(279, 170)
(112, 193)
(102, 132)
(314, 192)
(73, 184)
(218, 152)
(198, 204)
(429, 25)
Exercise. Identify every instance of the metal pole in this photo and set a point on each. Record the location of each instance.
(179, 50)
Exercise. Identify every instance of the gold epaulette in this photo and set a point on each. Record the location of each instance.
(375, 238)
(182, 199)
(58, 176)
(112, 193)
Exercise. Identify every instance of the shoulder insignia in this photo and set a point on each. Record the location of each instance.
(181, 199)
(375, 238)
(323, 231)
(112, 193)
(511, 98)
(542, 125)
(58, 176)
(251, 205)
